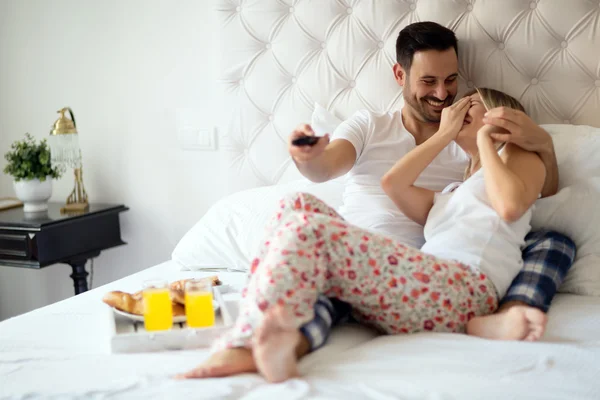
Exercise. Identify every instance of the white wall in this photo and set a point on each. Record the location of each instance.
(127, 69)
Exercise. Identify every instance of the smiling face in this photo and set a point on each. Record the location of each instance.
(431, 84)
(474, 118)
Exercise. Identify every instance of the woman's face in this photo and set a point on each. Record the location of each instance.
(474, 118)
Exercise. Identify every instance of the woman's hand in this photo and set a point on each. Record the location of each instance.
(487, 132)
(453, 118)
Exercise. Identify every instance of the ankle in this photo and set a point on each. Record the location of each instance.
(303, 347)
(510, 304)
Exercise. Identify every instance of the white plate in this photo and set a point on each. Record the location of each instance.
(176, 320)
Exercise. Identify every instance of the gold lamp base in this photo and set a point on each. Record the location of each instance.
(77, 202)
(74, 208)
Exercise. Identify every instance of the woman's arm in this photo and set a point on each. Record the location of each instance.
(398, 182)
(514, 181)
(522, 131)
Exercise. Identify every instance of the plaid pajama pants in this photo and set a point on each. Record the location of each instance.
(547, 257)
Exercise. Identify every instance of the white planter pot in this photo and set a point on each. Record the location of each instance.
(34, 194)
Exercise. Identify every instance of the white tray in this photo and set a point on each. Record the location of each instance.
(129, 335)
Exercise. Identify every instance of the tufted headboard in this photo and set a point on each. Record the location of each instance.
(280, 57)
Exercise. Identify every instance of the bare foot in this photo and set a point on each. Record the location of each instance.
(224, 363)
(274, 346)
(516, 323)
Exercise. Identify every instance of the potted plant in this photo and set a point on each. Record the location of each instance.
(29, 164)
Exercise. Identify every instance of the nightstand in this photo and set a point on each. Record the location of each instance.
(39, 240)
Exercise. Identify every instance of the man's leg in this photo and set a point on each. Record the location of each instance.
(328, 313)
(547, 257)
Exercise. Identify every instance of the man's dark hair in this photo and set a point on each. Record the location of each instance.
(422, 36)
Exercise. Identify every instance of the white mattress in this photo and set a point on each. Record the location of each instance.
(62, 351)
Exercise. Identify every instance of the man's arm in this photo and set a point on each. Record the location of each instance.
(522, 131)
(549, 159)
(323, 161)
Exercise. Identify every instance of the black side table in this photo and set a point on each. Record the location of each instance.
(42, 239)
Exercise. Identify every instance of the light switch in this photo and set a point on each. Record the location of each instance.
(197, 138)
(193, 132)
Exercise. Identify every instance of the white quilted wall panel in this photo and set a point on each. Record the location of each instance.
(279, 57)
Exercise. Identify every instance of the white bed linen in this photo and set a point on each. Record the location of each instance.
(62, 351)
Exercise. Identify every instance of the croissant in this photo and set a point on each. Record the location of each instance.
(134, 304)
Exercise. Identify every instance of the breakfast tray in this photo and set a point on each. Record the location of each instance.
(129, 336)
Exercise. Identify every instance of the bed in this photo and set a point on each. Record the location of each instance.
(286, 62)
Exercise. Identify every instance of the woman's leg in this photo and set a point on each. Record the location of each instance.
(390, 286)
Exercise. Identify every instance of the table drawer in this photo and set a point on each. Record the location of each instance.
(15, 245)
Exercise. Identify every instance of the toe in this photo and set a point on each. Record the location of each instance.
(193, 374)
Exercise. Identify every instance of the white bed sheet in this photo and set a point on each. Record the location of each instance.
(62, 351)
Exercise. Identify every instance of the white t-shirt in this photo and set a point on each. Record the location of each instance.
(380, 140)
(462, 225)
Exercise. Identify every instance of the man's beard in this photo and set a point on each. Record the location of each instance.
(422, 108)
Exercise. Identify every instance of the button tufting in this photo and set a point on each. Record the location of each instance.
(380, 45)
(533, 5)
(352, 84)
(323, 45)
(413, 7)
(349, 10)
(567, 121)
(291, 9)
(564, 44)
(268, 46)
(241, 82)
(597, 83)
(271, 117)
(238, 9)
(534, 81)
(294, 80)
(501, 46)
(470, 7)
(470, 84)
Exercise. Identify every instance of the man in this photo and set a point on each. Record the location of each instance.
(366, 146)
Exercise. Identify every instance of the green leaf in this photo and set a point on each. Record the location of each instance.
(30, 160)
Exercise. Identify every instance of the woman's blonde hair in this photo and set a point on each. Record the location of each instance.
(491, 98)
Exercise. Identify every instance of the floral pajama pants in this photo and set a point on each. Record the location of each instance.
(309, 250)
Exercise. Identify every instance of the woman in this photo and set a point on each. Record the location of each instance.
(474, 235)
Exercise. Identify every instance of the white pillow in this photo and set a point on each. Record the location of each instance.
(323, 121)
(573, 211)
(577, 149)
(229, 234)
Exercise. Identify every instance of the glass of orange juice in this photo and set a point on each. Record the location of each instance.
(199, 309)
(158, 310)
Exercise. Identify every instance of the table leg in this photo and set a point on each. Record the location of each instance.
(79, 276)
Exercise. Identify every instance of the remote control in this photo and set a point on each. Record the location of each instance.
(305, 141)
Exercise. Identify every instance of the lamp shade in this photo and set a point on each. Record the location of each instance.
(64, 141)
(64, 150)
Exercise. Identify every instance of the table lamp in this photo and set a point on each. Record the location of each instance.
(65, 151)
